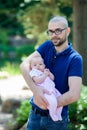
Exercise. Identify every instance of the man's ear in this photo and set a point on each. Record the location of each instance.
(68, 31)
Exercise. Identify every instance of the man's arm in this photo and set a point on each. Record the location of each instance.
(25, 70)
(74, 92)
(37, 91)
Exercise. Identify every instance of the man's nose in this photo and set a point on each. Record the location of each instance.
(53, 35)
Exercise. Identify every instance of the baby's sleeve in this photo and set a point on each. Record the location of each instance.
(34, 72)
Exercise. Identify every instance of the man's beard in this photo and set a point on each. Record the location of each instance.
(59, 42)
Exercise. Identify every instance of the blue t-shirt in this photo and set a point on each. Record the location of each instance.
(63, 65)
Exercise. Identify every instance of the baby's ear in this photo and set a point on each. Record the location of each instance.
(30, 67)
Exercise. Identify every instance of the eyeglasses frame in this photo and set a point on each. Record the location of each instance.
(54, 32)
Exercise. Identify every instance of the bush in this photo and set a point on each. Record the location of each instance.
(23, 112)
(24, 50)
(20, 116)
(10, 68)
(78, 112)
(10, 52)
(4, 36)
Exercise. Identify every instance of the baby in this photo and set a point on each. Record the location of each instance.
(44, 78)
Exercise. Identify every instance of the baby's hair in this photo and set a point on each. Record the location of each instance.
(35, 57)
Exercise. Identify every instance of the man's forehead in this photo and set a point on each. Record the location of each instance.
(59, 19)
(54, 25)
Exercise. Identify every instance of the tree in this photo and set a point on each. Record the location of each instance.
(80, 32)
(35, 18)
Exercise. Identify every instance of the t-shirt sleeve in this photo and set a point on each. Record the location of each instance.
(76, 66)
(43, 48)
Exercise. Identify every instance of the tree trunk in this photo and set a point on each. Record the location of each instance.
(80, 32)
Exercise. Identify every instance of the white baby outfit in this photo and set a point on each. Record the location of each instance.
(48, 84)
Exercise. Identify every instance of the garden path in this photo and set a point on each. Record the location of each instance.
(12, 87)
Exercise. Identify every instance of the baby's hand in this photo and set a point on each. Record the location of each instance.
(46, 71)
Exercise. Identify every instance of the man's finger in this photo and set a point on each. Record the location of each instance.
(46, 91)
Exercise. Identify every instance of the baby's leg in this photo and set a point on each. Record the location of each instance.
(59, 111)
(52, 106)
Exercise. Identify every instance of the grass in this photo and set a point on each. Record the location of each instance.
(12, 68)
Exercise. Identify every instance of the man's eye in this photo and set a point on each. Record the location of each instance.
(58, 30)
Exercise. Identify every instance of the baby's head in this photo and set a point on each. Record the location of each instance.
(37, 63)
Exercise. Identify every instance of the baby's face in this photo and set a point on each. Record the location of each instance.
(38, 63)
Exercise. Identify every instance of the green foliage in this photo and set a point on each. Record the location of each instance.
(24, 50)
(30, 17)
(3, 36)
(8, 21)
(8, 4)
(11, 68)
(6, 48)
(23, 112)
(20, 116)
(66, 2)
(41, 38)
(12, 57)
(13, 53)
(78, 112)
(33, 20)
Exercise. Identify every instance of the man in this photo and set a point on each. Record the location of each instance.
(66, 65)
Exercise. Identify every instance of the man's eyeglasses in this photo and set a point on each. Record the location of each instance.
(56, 32)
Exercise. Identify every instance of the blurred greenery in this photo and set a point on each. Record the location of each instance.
(25, 17)
(3, 36)
(29, 19)
(77, 112)
(23, 111)
(11, 68)
(20, 116)
(11, 64)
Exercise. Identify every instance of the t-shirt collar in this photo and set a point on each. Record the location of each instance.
(64, 51)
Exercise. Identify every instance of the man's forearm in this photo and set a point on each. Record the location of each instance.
(25, 72)
(74, 92)
(67, 99)
(25, 68)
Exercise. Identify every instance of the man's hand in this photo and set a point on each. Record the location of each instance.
(39, 98)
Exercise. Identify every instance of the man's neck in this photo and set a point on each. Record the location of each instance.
(62, 47)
